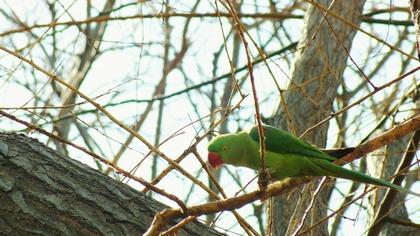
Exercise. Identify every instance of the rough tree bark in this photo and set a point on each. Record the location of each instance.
(45, 193)
(318, 71)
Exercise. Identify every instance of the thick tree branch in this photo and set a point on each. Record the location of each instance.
(45, 193)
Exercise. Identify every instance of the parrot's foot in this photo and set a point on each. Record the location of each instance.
(263, 179)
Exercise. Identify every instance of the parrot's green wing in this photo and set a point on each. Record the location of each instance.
(279, 141)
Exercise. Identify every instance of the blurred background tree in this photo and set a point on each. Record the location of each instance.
(166, 73)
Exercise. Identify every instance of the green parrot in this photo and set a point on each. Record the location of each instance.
(285, 156)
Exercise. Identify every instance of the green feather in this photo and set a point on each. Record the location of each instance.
(279, 141)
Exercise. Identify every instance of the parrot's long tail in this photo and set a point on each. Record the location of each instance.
(341, 172)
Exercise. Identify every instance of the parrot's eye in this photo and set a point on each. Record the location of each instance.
(224, 148)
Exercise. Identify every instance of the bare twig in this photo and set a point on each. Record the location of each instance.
(332, 115)
(264, 177)
(274, 16)
(342, 19)
(310, 206)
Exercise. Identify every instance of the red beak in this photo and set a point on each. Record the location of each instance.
(214, 160)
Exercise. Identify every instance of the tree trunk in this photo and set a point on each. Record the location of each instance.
(384, 168)
(318, 71)
(45, 193)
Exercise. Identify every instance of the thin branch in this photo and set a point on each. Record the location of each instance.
(342, 19)
(337, 38)
(82, 95)
(264, 175)
(332, 115)
(310, 206)
(192, 147)
(272, 16)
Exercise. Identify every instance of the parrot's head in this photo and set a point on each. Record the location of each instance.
(225, 149)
